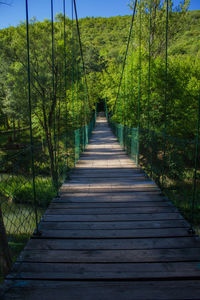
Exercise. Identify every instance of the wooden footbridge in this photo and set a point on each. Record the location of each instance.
(110, 235)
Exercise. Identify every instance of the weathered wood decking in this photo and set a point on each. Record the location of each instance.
(111, 235)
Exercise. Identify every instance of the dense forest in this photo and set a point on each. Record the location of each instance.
(108, 39)
(104, 43)
(60, 109)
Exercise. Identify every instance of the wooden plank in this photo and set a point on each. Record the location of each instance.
(108, 175)
(110, 189)
(105, 199)
(111, 256)
(121, 196)
(101, 165)
(123, 174)
(109, 271)
(112, 225)
(150, 193)
(129, 290)
(107, 180)
(106, 211)
(90, 205)
(111, 235)
(112, 218)
(118, 170)
(118, 233)
(113, 244)
(110, 197)
(98, 186)
(95, 174)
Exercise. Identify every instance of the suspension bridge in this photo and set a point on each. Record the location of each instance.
(111, 231)
(110, 235)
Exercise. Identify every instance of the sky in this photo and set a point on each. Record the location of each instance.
(12, 14)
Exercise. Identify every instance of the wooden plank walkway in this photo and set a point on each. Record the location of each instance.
(111, 235)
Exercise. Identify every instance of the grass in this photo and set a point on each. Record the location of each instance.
(19, 189)
(180, 192)
(19, 218)
(182, 196)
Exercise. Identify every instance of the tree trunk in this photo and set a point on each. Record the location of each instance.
(48, 137)
(14, 131)
(18, 130)
(51, 156)
(7, 126)
(5, 257)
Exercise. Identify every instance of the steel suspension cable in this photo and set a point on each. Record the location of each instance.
(194, 194)
(150, 141)
(140, 77)
(124, 99)
(77, 93)
(166, 88)
(132, 68)
(81, 51)
(149, 76)
(120, 106)
(127, 98)
(73, 50)
(127, 47)
(65, 71)
(83, 105)
(30, 118)
(166, 65)
(65, 62)
(140, 63)
(54, 98)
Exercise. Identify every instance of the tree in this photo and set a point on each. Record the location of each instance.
(176, 23)
(44, 97)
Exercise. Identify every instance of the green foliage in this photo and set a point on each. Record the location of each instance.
(187, 42)
(18, 189)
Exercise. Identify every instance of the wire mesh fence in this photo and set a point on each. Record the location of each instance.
(46, 122)
(170, 162)
(19, 211)
(128, 138)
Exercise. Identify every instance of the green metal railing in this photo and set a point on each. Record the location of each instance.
(82, 136)
(128, 139)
